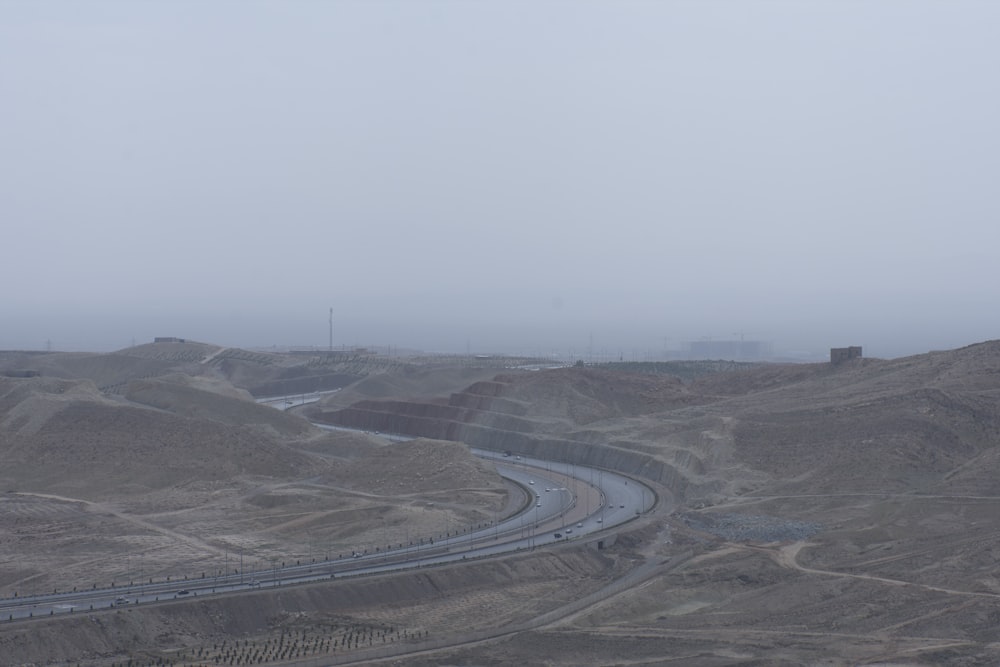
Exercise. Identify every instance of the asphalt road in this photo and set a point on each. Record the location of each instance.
(566, 502)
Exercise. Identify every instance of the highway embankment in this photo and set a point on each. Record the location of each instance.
(422, 603)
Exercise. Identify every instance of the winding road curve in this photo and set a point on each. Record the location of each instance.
(571, 501)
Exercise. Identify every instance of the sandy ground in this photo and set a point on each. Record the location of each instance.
(832, 516)
(55, 542)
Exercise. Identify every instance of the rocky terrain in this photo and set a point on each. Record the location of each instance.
(812, 513)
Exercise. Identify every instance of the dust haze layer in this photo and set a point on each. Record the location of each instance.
(609, 181)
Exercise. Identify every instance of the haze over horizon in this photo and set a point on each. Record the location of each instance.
(543, 177)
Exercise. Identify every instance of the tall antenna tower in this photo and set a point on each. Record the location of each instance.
(331, 330)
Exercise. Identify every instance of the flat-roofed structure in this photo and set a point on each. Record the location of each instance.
(839, 355)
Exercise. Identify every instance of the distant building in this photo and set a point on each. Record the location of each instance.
(841, 354)
(167, 339)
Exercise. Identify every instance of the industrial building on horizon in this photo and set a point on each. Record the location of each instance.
(839, 355)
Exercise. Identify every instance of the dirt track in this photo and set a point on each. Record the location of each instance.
(891, 466)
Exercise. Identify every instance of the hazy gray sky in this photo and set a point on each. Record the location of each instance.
(500, 175)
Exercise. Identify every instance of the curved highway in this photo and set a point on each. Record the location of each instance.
(565, 502)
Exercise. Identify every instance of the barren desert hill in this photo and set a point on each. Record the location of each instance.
(210, 471)
(552, 401)
(434, 380)
(971, 368)
(265, 373)
(174, 351)
(906, 423)
(191, 423)
(27, 405)
(868, 424)
(104, 369)
(581, 396)
(893, 462)
(823, 514)
(191, 396)
(912, 425)
(216, 400)
(420, 465)
(60, 434)
(259, 372)
(110, 370)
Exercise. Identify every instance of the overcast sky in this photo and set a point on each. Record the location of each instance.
(500, 176)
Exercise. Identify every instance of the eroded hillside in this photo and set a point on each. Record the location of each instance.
(821, 514)
(871, 424)
(180, 470)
